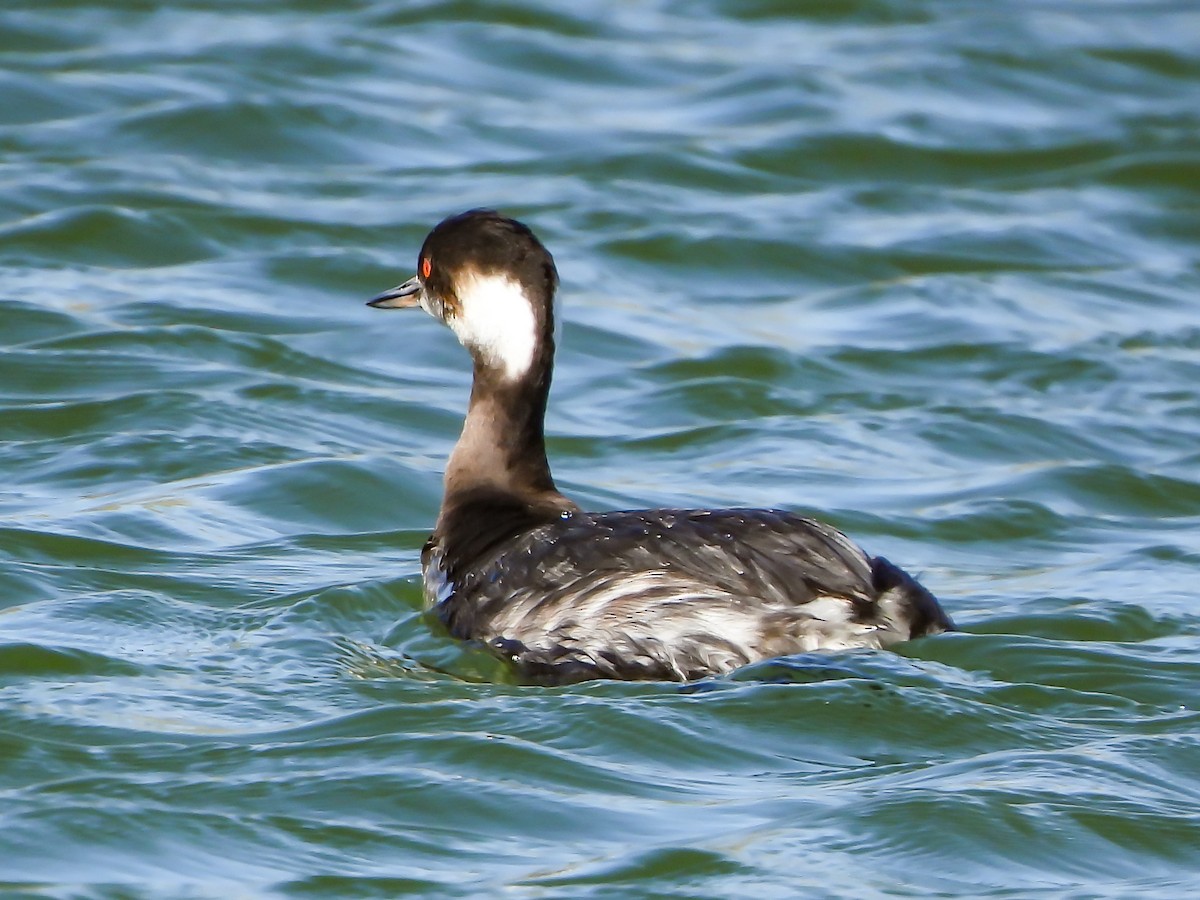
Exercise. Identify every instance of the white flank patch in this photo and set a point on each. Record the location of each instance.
(496, 321)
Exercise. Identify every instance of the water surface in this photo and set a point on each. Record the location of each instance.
(928, 271)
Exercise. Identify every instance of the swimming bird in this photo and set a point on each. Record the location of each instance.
(567, 595)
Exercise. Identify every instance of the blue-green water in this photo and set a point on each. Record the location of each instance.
(926, 270)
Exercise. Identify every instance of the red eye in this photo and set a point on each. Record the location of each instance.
(426, 267)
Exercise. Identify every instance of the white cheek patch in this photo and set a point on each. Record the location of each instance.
(495, 320)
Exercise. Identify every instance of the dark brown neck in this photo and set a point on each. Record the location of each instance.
(503, 443)
(498, 480)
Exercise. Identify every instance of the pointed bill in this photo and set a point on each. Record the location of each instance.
(402, 296)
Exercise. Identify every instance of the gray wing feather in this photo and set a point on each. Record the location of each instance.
(665, 593)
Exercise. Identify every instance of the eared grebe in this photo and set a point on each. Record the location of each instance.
(568, 595)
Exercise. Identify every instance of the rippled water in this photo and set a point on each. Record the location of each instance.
(927, 270)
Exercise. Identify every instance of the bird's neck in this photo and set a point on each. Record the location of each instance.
(500, 457)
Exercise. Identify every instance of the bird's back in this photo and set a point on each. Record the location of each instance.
(674, 594)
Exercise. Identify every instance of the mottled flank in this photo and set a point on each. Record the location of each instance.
(675, 594)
